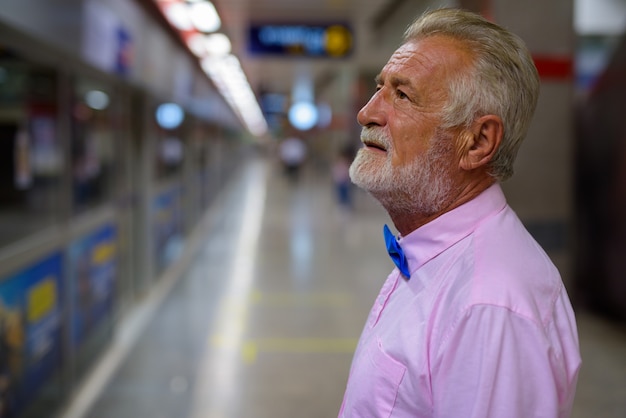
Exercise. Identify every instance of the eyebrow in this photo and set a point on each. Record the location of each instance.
(394, 81)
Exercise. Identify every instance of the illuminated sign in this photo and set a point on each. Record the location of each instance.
(322, 41)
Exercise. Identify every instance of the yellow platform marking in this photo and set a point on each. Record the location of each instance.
(251, 348)
(304, 299)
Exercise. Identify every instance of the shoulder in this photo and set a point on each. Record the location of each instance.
(511, 270)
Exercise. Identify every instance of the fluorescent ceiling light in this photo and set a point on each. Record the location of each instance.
(97, 99)
(195, 19)
(169, 115)
(197, 45)
(204, 16)
(600, 17)
(178, 16)
(230, 80)
(218, 44)
(303, 115)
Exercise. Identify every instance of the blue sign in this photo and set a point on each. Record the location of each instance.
(320, 41)
(168, 227)
(30, 331)
(93, 270)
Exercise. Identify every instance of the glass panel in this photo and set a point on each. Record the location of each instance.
(169, 124)
(95, 131)
(31, 158)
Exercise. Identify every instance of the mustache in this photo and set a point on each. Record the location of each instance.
(374, 136)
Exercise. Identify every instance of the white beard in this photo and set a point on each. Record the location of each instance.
(423, 186)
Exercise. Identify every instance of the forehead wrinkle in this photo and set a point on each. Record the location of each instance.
(403, 60)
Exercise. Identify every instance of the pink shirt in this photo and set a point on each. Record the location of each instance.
(484, 327)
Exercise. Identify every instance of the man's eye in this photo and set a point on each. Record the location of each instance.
(401, 94)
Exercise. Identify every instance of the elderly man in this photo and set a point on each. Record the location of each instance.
(475, 320)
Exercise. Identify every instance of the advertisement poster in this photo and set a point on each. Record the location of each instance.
(30, 332)
(107, 43)
(93, 270)
(168, 228)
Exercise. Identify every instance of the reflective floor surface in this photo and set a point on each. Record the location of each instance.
(261, 315)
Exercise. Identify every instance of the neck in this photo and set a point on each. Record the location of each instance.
(407, 222)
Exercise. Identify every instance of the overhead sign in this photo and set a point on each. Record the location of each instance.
(317, 41)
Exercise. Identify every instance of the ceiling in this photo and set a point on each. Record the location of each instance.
(374, 31)
(277, 74)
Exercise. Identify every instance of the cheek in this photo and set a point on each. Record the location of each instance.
(404, 155)
(409, 147)
(411, 135)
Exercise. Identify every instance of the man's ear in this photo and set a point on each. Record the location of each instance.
(477, 145)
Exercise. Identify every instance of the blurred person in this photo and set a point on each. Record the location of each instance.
(475, 320)
(341, 179)
(292, 152)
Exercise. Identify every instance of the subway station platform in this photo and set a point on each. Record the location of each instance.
(261, 314)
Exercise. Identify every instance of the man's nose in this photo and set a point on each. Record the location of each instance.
(372, 114)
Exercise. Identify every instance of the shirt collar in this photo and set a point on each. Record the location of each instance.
(431, 239)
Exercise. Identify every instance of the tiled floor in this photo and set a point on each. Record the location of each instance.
(263, 320)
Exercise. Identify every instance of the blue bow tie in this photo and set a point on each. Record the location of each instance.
(396, 253)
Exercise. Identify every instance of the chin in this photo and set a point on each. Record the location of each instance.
(370, 173)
